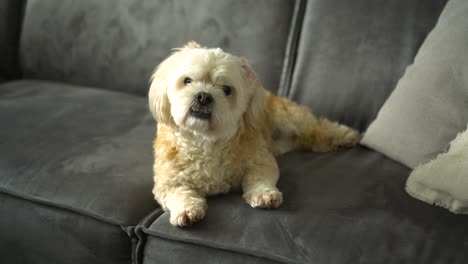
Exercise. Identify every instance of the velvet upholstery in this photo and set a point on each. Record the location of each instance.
(35, 233)
(352, 53)
(344, 207)
(169, 251)
(116, 44)
(76, 161)
(84, 149)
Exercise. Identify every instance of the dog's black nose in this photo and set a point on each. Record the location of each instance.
(203, 98)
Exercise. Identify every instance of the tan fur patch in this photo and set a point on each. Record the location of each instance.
(190, 166)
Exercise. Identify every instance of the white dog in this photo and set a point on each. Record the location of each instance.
(218, 130)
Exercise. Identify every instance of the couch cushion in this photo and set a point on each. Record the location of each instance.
(351, 54)
(82, 149)
(429, 104)
(344, 207)
(10, 23)
(116, 44)
(40, 234)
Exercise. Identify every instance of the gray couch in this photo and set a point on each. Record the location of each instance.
(76, 133)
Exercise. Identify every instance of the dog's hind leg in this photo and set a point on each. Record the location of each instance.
(295, 127)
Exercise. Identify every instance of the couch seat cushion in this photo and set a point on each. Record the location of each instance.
(344, 207)
(82, 149)
(37, 233)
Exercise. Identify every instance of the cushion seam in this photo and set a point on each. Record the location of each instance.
(61, 206)
(139, 244)
(193, 244)
(290, 53)
(219, 247)
(71, 86)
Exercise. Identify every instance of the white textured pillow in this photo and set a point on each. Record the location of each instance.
(444, 181)
(429, 106)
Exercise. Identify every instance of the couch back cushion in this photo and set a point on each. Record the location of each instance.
(352, 53)
(116, 44)
(10, 23)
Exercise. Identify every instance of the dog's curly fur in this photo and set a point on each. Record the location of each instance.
(235, 147)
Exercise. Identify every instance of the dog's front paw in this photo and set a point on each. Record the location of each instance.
(187, 216)
(264, 198)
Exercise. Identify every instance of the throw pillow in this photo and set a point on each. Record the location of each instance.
(444, 181)
(429, 105)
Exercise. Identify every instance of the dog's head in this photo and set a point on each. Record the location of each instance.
(207, 92)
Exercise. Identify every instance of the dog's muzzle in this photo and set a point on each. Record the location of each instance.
(201, 105)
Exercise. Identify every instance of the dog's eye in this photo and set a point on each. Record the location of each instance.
(227, 90)
(187, 81)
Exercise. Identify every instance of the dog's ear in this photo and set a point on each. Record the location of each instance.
(256, 108)
(192, 45)
(157, 96)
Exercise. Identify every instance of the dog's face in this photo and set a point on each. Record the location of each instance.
(206, 91)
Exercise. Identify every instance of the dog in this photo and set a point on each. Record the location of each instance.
(219, 130)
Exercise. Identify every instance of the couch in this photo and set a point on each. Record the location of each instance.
(76, 133)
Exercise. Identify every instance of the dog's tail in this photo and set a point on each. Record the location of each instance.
(295, 127)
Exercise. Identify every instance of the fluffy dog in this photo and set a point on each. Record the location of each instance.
(219, 130)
